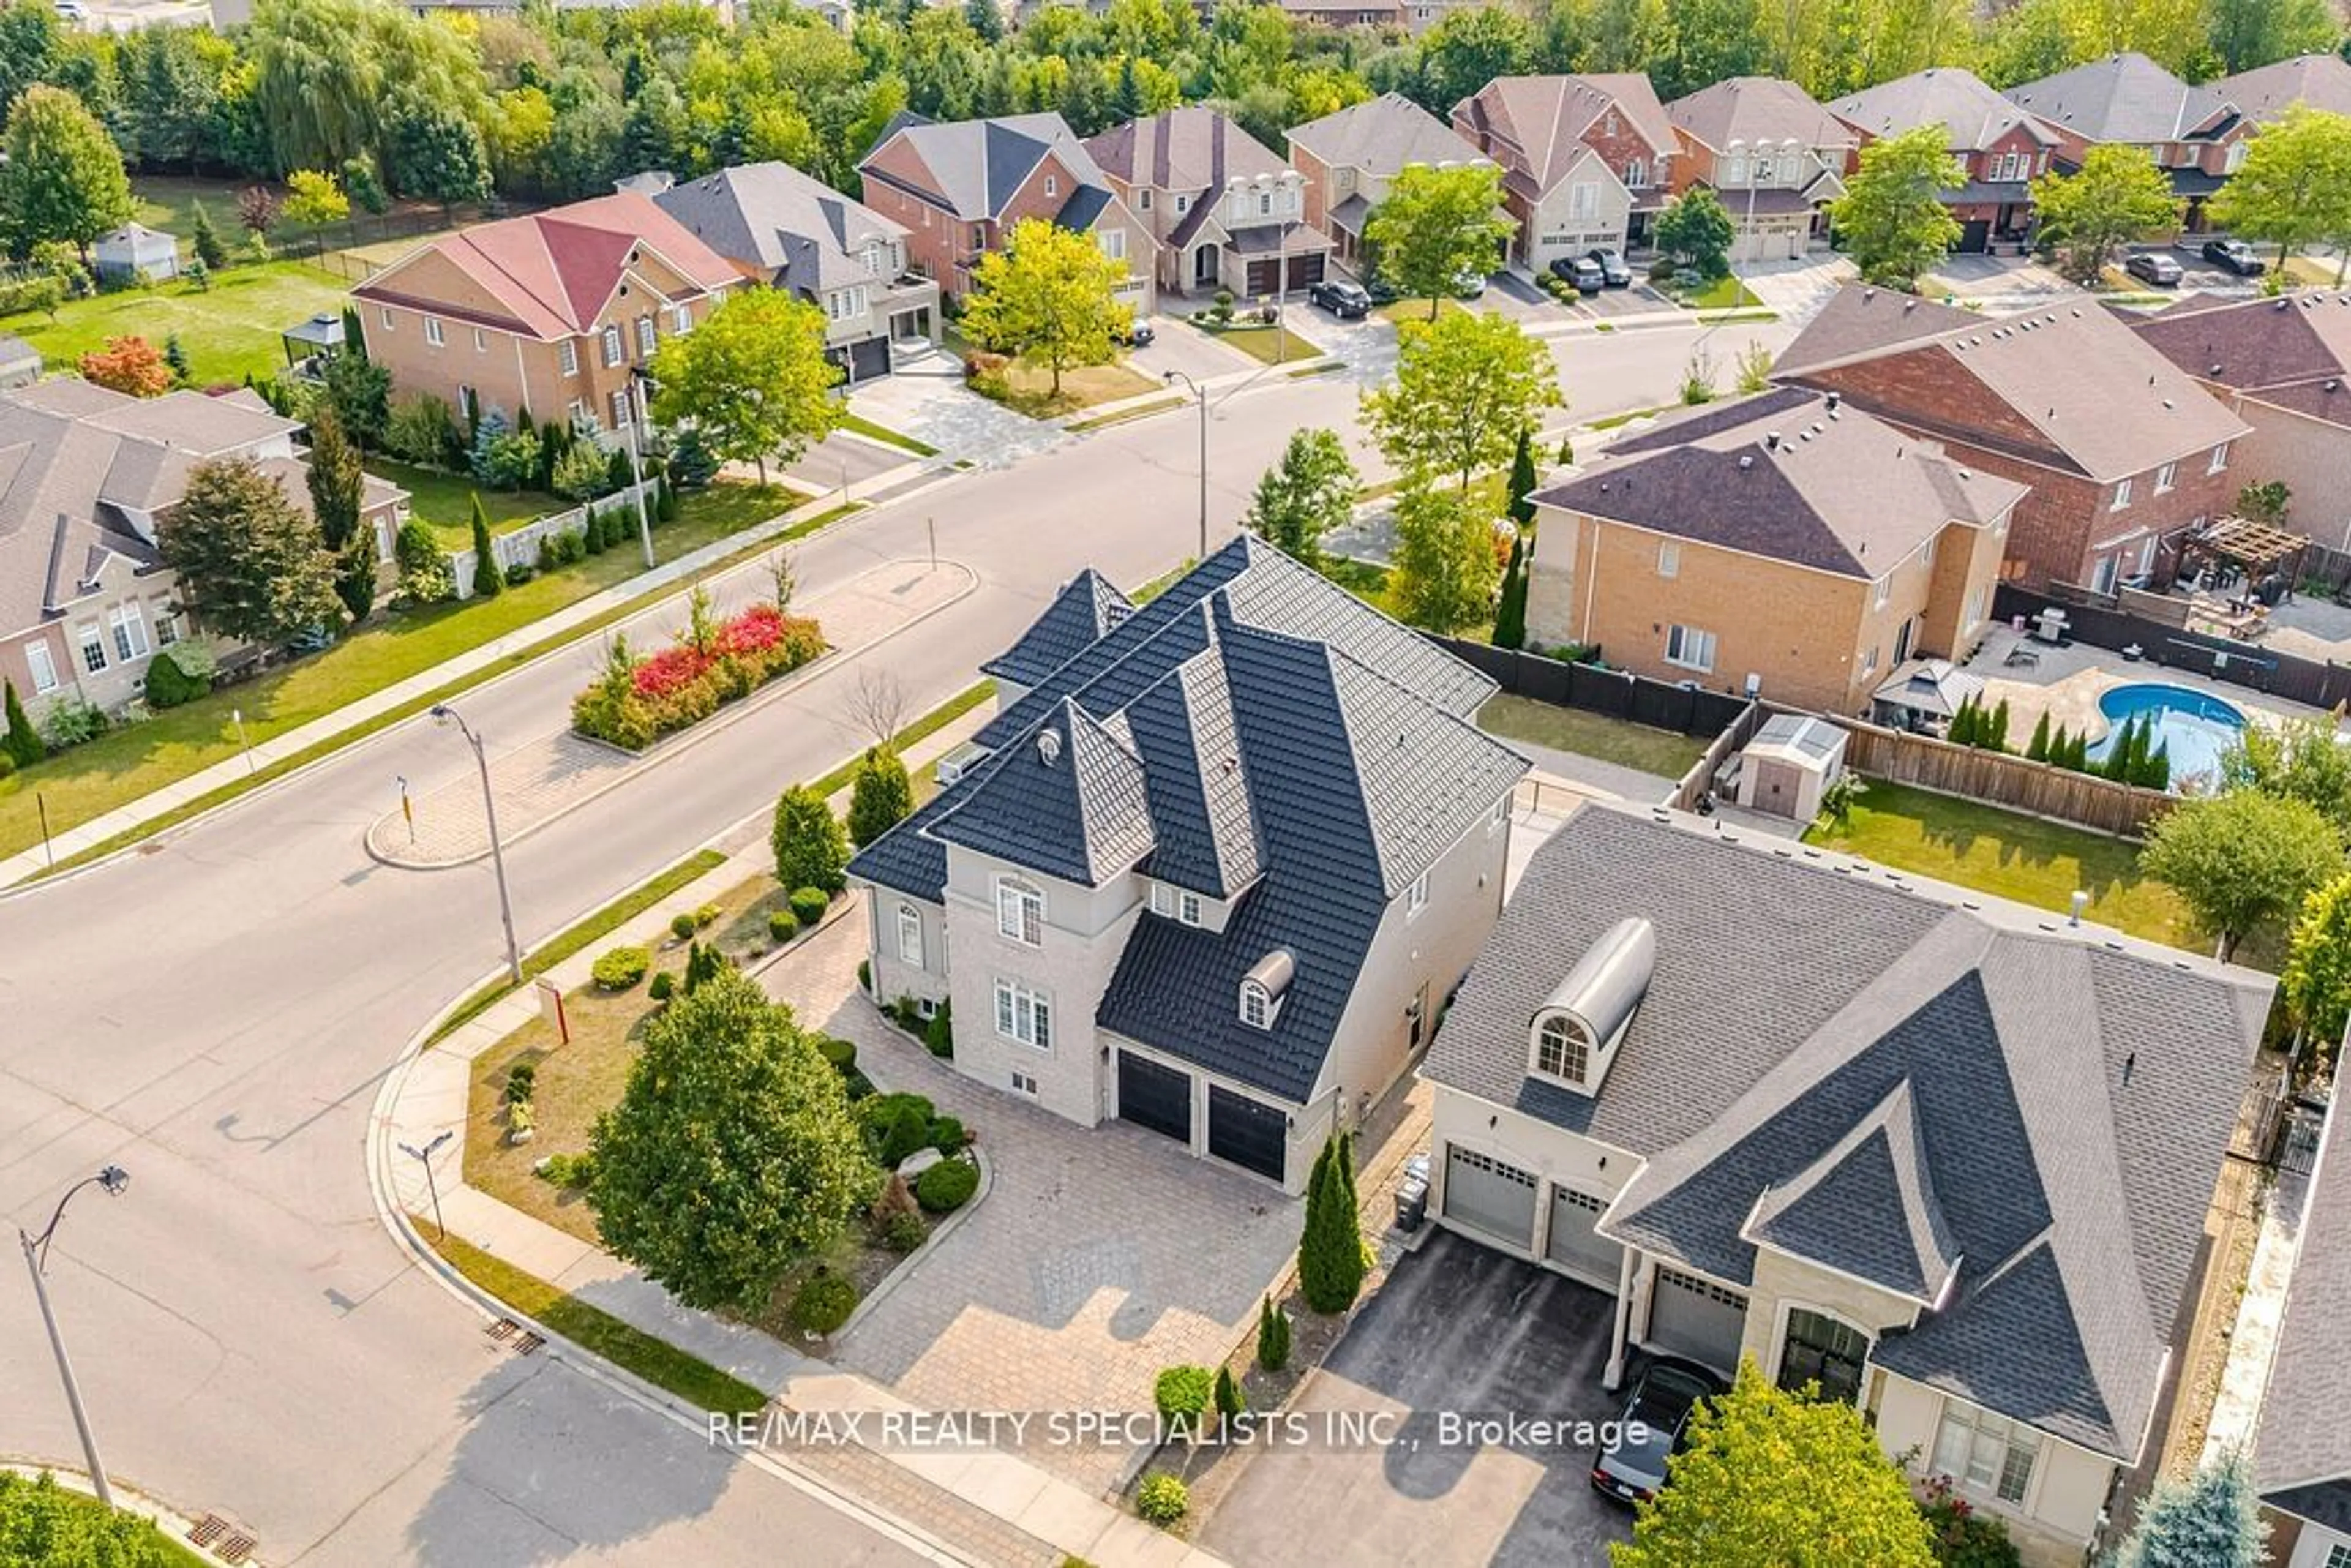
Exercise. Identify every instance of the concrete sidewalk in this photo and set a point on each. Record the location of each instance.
(172, 796)
(994, 1506)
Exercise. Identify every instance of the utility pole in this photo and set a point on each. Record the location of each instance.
(636, 472)
(445, 714)
(113, 1178)
(1200, 393)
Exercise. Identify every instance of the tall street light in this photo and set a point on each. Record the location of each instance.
(1200, 394)
(443, 713)
(423, 1156)
(113, 1178)
(641, 412)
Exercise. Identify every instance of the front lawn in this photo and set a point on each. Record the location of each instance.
(444, 502)
(1722, 294)
(2011, 856)
(1399, 311)
(229, 331)
(43, 1516)
(1628, 744)
(885, 435)
(124, 764)
(1267, 345)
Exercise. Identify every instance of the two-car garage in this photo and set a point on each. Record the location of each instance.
(1242, 1131)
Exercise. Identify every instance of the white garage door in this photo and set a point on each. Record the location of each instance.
(1484, 1194)
(1693, 1318)
(1573, 1247)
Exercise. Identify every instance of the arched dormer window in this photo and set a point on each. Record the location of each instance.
(1263, 987)
(1257, 1008)
(1562, 1049)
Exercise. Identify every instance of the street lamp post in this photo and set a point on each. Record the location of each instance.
(643, 411)
(113, 1178)
(445, 714)
(1200, 393)
(423, 1156)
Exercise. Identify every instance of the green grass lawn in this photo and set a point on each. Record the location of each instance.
(1264, 343)
(1637, 746)
(1722, 294)
(1399, 311)
(228, 330)
(2010, 856)
(28, 1504)
(124, 764)
(444, 502)
(887, 436)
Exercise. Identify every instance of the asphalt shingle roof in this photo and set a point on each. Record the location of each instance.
(2294, 351)
(1757, 108)
(2128, 99)
(780, 225)
(2265, 93)
(2073, 1094)
(976, 167)
(2303, 1447)
(1867, 1207)
(1381, 136)
(1975, 115)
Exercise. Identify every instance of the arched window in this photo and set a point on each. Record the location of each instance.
(910, 935)
(1020, 911)
(1257, 1008)
(1562, 1048)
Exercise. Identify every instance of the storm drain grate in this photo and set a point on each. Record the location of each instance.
(516, 1337)
(207, 1530)
(526, 1343)
(235, 1549)
(502, 1330)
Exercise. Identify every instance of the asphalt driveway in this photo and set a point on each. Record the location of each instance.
(1459, 1335)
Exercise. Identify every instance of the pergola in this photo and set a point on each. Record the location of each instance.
(2259, 549)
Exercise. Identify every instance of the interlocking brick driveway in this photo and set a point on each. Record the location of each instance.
(1099, 1256)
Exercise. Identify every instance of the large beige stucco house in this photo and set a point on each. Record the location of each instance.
(1946, 1157)
(1222, 860)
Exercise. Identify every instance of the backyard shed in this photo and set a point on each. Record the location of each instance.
(1792, 760)
(134, 248)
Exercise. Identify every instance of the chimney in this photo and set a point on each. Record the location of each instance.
(1770, 441)
(1835, 399)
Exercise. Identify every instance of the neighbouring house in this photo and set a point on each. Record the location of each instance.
(552, 314)
(20, 362)
(2194, 134)
(87, 475)
(1213, 866)
(135, 251)
(2123, 453)
(958, 189)
(1587, 160)
(2280, 365)
(2000, 146)
(1782, 545)
(1775, 157)
(2263, 94)
(1349, 158)
(2302, 1445)
(790, 231)
(1945, 1157)
(1223, 212)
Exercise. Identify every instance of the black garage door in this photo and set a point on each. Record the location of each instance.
(1305, 271)
(1249, 1132)
(1262, 278)
(1975, 236)
(869, 359)
(1154, 1097)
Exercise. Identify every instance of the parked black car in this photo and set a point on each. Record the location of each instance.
(1656, 1416)
(2153, 266)
(1382, 291)
(1613, 270)
(2234, 255)
(1342, 296)
(1138, 335)
(1582, 271)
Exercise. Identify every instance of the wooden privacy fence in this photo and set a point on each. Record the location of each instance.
(2001, 778)
(1733, 739)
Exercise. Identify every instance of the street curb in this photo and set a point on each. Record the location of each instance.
(676, 745)
(129, 1499)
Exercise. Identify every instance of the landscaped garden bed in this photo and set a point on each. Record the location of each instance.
(638, 700)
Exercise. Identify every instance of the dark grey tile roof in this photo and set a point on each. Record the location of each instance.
(1183, 728)
(1067, 801)
(2303, 1447)
(2073, 1093)
(1867, 1207)
(1086, 607)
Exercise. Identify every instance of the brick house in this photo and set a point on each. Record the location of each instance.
(2194, 134)
(87, 478)
(1213, 866)
(1775, 157)
(2122, 450)
(1946, 1157)
(1349, 158)
(549, 314)
(2000, 146)
(1781, 543)
(1223, 210)
(959, 189)
(2263, 94)
(2281, 365)
(1587, 160)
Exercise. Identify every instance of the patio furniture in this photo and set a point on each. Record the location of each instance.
(2028, 658)
(2050, 626)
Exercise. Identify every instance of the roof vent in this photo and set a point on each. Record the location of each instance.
(2282, 304)
(1835, 398)
(2215, 370)
(1746, 460)
(2081, 903)
(2332, 384)
(1049, 747)
(1770, 441)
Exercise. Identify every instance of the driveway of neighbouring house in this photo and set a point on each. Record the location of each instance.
(1097, 1258)
(1461, 1329)
(928, 400)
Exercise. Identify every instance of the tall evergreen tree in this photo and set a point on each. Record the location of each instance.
(1331, 1248)
(1511, 617)
(205, 240)
(22, 742)
(2037, 750)
(338, 484)
(2210, 1519)
(1522, 482)
(355, 573)
(488, 579)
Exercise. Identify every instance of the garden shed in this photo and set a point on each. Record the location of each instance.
(1791, 762)
(134, 249)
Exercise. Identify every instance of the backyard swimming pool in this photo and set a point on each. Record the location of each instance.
(2195, 728)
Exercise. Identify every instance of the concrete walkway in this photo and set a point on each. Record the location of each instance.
(991, 1507)
(351, 715)
(542, 779)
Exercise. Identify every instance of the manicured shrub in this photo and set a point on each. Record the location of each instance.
(811, 849)
(522, 1083)
(636, 701)
(568, 1170)
(664, 987)
(824, 1301)
(520, 572)
(20, 739)
(896, 1127)
(1163, 1499)
(1230, 1401)
(947, 1136)
(947, 1186)
(841, 1054)
(680, 925)
(704, 914)
(938, 1034)
(1331, 1249)
(522, 1123)
(171, 683)
(783, 924)
(808, 905)
(902, 1232)
(620, 968)
(1273, 1337)
(1182, 1394)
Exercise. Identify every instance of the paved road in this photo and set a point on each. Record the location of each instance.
(216, 1014)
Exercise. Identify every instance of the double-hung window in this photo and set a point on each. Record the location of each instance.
(1689, 648)
(1020, 912)
(2166, 477)
(2219, 458)
(1669, 560)
(1985, 1455)
(1415, 898)
(1024, 1014)
(910, 935)
(644, 336)
(567, 357)
(45, 668)
(681, 320)
(129, 624)
(93, 647)
(2122, 495)
(433, 333)
(611, 346)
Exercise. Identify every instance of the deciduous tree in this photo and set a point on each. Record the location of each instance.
(1308, 493)
(2119, 196)
(251, 563)
(1445, 567)
(316, 198)
(1892, 213)
(1436, 224)
(751, 378)
(2317, 984)
(2294, 186)
(2242, 859)
(732, 1154)
(132, 366)
(1048, 297)
(1770, 1476)
(2297, 761)
(1466, 385)
(64, 178)
(1697, 226)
